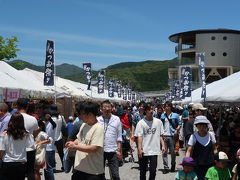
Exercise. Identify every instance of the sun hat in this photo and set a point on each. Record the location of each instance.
(198, 106)
(221, 156)
(188, 161)
(201, 120)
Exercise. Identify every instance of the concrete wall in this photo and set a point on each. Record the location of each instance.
(230, 46)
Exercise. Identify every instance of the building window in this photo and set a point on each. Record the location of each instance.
(213, 38)
(213, 54)
(224, 54)
(225, 38)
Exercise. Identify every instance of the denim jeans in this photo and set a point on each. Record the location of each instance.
(112, 164)
(50, 159)
(143, 162)
(169, 142)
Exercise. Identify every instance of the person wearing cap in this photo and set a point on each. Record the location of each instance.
(187, 173)
(236, 168)
(199, 111)
(202, 143)
(60, 122)
(171, 125)
(220, 170)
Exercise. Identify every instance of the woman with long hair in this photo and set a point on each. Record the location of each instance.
(13, 144)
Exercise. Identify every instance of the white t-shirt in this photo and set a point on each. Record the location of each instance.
(150, 131)
(202, 140)
(166, 127)
(15, 150)
(59, 122)
(30, 124)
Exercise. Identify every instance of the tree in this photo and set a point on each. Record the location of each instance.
(8, 48)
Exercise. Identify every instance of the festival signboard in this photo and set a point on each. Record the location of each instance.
(49, 64)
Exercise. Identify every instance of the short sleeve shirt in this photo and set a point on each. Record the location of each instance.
(150, 131)
(91, 163)
(214, 173)
(15, 150)
(181, 175)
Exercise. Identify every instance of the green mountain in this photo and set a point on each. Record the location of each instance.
(142, 76)
(62, 70)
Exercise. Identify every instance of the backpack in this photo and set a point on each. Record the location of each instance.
(125, 121)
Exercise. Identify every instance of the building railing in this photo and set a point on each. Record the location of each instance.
(184, 47)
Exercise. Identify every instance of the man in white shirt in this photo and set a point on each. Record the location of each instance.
(31, 125)
(113, 138)
(149, 131)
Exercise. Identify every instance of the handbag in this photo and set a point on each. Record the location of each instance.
(64, 129)
(40, 155)
(68, 160)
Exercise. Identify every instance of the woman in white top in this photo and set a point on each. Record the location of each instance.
(13, 144)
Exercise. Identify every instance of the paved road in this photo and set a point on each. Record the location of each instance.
(129, 171)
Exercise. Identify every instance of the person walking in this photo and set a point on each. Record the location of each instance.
(89, 146)
(202, 147)
(113, 138)
(149, 131)
(171, 125)
(13, 145)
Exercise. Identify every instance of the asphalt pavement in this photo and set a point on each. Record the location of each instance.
(129, 170)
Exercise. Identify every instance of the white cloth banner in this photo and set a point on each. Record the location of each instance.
(12, 95)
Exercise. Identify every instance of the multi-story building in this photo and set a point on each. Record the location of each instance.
(221, 48)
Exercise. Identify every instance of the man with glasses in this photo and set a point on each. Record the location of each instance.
(113, 138)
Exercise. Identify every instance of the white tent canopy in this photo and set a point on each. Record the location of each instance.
(31, 84)
(14, 79)
(224, 90)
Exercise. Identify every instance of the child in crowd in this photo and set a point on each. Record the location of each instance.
(187, 173)
(220, 170)
(40, 143)
(236, 168)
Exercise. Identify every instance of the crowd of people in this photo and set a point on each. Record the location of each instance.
(105, 134)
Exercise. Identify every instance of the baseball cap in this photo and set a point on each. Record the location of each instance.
(238, 154)
(198, 106)
(201, 120)
(188, 161)
(221, 156)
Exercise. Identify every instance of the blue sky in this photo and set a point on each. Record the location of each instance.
(106, 32)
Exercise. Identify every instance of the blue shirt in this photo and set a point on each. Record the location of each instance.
(4, 122)
(69, 127)
(181, 175)
(175, 121)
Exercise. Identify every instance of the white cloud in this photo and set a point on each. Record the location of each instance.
(87, 39)
(90, 54)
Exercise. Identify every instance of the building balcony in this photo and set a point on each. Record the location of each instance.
(185, 48)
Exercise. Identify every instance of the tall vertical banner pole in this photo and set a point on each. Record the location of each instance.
(49, 72)
(201, 66)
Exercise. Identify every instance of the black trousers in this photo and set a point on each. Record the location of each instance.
(30, 164)
(143, 162)
(113, 164)
(14, 170)
(59, 146)
(78, 175)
